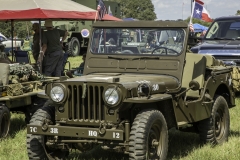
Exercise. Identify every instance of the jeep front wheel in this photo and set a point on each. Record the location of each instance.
(36, 147)
(148, 136)
(215, 130)
(4, 120)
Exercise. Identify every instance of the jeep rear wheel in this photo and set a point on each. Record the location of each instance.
(215, 130)
(36, 143)
(4, 120)
(148, 136)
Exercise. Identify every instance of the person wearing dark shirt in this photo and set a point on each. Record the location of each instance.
(52, 50)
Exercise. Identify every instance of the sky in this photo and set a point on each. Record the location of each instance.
(181, 9)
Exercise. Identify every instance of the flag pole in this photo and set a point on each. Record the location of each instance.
(192, 7)
(182, 9)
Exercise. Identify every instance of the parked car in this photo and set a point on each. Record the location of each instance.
(222, 40)
(17, 43)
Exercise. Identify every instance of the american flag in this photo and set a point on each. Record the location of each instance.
(101, 9)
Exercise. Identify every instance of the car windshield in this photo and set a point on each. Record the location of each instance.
(131, 41)
(227, 29)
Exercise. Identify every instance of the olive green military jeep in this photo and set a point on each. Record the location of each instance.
(131, 94)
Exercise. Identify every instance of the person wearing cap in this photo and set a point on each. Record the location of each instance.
(36, 46)
(52, 50)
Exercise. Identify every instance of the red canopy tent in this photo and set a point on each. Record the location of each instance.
(47, 9)
(25, 10)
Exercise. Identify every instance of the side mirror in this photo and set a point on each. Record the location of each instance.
(194, 85)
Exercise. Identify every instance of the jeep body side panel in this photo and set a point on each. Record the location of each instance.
(193, 111)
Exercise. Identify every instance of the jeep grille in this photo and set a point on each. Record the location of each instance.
(88, 109)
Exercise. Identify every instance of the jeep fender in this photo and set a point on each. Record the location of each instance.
(162, 102)
(220, 85)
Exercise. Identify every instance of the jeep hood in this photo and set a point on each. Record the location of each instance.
(163, 82)
(218, 47)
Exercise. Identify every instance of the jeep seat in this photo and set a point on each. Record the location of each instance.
(212, 61)
(194, 69)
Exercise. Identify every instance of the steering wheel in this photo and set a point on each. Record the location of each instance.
(166, 49)
(127, 52)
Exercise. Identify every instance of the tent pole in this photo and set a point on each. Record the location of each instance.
(12, 28)
(40, 45)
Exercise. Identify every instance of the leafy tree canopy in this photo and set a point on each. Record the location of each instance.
(21, 29)
(238, 12)
(137, 9)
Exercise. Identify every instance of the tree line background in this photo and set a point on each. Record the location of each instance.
(137, 9)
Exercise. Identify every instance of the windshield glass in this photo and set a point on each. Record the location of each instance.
(131, 41)
(227, 29)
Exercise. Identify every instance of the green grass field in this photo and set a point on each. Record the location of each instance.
(184, 146)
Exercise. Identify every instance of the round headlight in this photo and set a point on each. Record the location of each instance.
(57, 94)
(111, 96)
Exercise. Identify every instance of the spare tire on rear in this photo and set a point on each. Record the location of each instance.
(74, 47)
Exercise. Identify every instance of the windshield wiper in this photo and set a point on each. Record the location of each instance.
(117, 58)
(146, 58)
(218, 38)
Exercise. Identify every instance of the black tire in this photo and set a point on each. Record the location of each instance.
(37, 103)
(148, 127)
(4, 120)
(215, 130)
(74, 47)
(36, 147)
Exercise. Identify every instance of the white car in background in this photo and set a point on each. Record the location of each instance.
(17, 43)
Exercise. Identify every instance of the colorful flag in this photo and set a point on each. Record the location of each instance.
(101, 9)
(109, 11)
(200, 12)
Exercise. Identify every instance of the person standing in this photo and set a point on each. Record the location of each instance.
(52, 50)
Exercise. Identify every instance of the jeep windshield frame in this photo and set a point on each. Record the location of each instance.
(225, 29)
(144, 63)
(138, 41)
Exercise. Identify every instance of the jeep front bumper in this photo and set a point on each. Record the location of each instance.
(78, 132)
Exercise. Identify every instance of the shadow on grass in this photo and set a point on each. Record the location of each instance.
(234, 133)
(98, 154)
(182, 143)
(17, 123)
